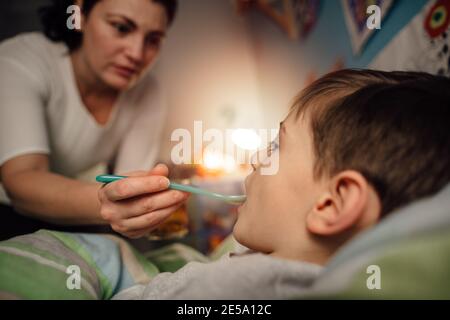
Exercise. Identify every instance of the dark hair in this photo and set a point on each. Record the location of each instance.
(54, 18)
(392, 127)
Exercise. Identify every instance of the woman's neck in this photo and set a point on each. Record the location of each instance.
(98, 98)
(88, 83)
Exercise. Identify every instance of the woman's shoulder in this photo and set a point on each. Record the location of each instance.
(31, 57)
(30, 46)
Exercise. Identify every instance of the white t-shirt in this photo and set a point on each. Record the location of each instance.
(41, 111)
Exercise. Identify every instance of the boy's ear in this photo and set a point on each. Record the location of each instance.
(341, 206)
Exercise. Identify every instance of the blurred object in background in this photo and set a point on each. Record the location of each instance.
(306, 16)
(182, 171)
(209, 71)
(216, 164)
(356, 15)
(279, 11)
(295, 17)
(204, 222)
(176, 226)
(19, 16)
(212, 220)
(423, 44)
(235, 160)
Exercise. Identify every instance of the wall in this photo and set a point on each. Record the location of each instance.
(209, 71)
(283, 65)
(19, 16)
(230, 71)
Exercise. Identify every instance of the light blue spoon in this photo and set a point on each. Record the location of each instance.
(181, 187)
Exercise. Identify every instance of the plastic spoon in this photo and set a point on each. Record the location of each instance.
(182, 187)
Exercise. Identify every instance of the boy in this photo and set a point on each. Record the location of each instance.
(356, 146)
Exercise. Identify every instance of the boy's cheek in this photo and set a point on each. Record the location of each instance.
(239, 230)
(245, 233)
(247, 184)
(250, 179)
(246, 214)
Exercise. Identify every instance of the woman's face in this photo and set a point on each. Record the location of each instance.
(121, 40)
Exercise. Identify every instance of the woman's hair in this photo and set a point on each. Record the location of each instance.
(54, 19)
(392, 127)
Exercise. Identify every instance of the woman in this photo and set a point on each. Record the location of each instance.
(74, 98)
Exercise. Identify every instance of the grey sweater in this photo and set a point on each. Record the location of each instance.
(243, 276)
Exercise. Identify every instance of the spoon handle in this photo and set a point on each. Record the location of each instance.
(107, 178)
(172, 185)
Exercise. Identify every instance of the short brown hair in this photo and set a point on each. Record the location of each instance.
(392, 127)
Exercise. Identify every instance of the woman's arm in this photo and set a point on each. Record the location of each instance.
(38, 193)
(132, 206)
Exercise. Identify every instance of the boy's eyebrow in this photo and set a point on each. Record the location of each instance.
(282, 127)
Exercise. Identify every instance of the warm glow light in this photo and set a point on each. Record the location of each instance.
(212, 160)
(215, 161)
(228, 163)
(246, 139)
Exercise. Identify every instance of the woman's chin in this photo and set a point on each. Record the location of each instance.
(120, 83)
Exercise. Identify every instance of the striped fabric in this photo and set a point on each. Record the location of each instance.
(35, 266)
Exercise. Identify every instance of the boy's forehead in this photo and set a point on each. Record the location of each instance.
(294, 125)
(298, 116)
(308, 109)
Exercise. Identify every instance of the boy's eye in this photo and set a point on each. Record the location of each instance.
(263, 154)
(273, 147)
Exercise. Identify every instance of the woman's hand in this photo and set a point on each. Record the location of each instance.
(136, 205)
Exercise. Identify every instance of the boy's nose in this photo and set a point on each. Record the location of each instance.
(258, 157)
(254, 161)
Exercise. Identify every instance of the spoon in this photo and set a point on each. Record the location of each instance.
(182, 187)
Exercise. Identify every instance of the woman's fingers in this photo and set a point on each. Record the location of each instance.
(135, 186)
(137, 183)
(147, 203)
(159, 170)
(139, 226)
(139, 203)
(135, 173)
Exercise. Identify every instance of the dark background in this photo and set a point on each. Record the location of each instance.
(19, 16)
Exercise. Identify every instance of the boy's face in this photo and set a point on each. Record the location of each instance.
(273, 217)
(292, 215)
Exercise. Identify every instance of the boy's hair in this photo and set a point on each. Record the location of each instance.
(392, 127)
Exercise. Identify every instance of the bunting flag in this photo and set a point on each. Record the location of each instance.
(422, 45)
(306, 14)
(355, 13)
